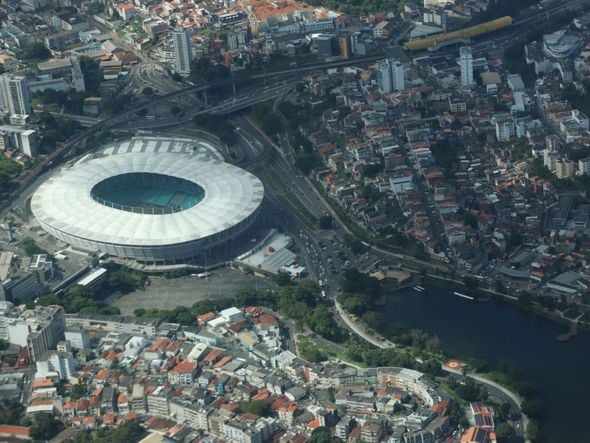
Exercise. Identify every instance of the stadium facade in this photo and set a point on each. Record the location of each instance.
(151, 199)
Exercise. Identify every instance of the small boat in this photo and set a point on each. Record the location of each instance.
(458, 294)
(418, 288)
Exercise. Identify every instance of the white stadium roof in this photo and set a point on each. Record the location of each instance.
(64, 201)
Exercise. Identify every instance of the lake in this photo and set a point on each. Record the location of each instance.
(493, 331)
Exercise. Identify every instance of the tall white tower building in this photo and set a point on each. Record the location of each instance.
(14, 95)
(390, 75)
(183, 53)
(466, 63)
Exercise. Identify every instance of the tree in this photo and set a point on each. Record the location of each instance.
(470, 220)
(323, 435)
(147, 91)
(504, 410)
(175, 110)
(499, 286)
(533, 432)
(78, 391)
(45, 427)
(4, 345)
(325, 221)
(282, 279)
(256, 407)
(372, 169)
(525, 298)
(35, 50)
(374, 320)
(470, 282)
(125, 280)
(533, 407)
(505, 433)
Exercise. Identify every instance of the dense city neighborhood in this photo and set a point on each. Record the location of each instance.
(207, 208)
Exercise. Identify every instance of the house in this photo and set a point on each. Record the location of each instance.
(183, 373)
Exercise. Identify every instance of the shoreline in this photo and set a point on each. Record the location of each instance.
(493, 295)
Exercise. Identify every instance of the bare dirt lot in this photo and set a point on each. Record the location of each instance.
(185, 291)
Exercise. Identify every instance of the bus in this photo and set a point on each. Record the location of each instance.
(204, 274)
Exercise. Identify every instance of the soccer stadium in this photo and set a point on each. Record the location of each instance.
(151, 199)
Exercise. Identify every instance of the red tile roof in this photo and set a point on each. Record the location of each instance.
(8, 430)
(184, 367)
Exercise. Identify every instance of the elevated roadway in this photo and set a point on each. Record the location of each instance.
(115, 120)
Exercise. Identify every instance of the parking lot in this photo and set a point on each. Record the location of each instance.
(185, 291)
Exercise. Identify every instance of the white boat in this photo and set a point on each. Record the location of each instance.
(418, 288)
(458, 294)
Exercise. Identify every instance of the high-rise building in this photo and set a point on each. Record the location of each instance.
(344, 44)
(39, 329)
(54, 362)
(14, 95)
(25, 140)
(466, 63)
(390, 75)
(183, 53)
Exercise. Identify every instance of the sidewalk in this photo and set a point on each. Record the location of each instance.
(361, 331)
(513, 396)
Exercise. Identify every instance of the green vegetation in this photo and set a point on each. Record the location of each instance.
(323, 435)
(290, 199)
(359, 293)
(10, 411)
(35, 50)
(533, 431)
(309, 350)
(77, 392)
(125, 280)
(4, 345)
(256, 407)
(515, 62)
(301, 302)
(126, 433)
(500, 8)
(94, 8)
(354, 7)
(217, 124)
(578, 100)
(78, 299)
(295, 116)
(266, 118)
(29, 246)
(118, 103)
(445, 155)
(56, 130)
(8, 169)
(468, 391)
(360, 351)
(326, 222)
(71, 101)
(202, 70)
(45, 427)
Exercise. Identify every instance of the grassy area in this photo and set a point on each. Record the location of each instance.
(289, 199)
(456, 396)
(27, 212)
(274, 180)
(30, 247)
(312, 350)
